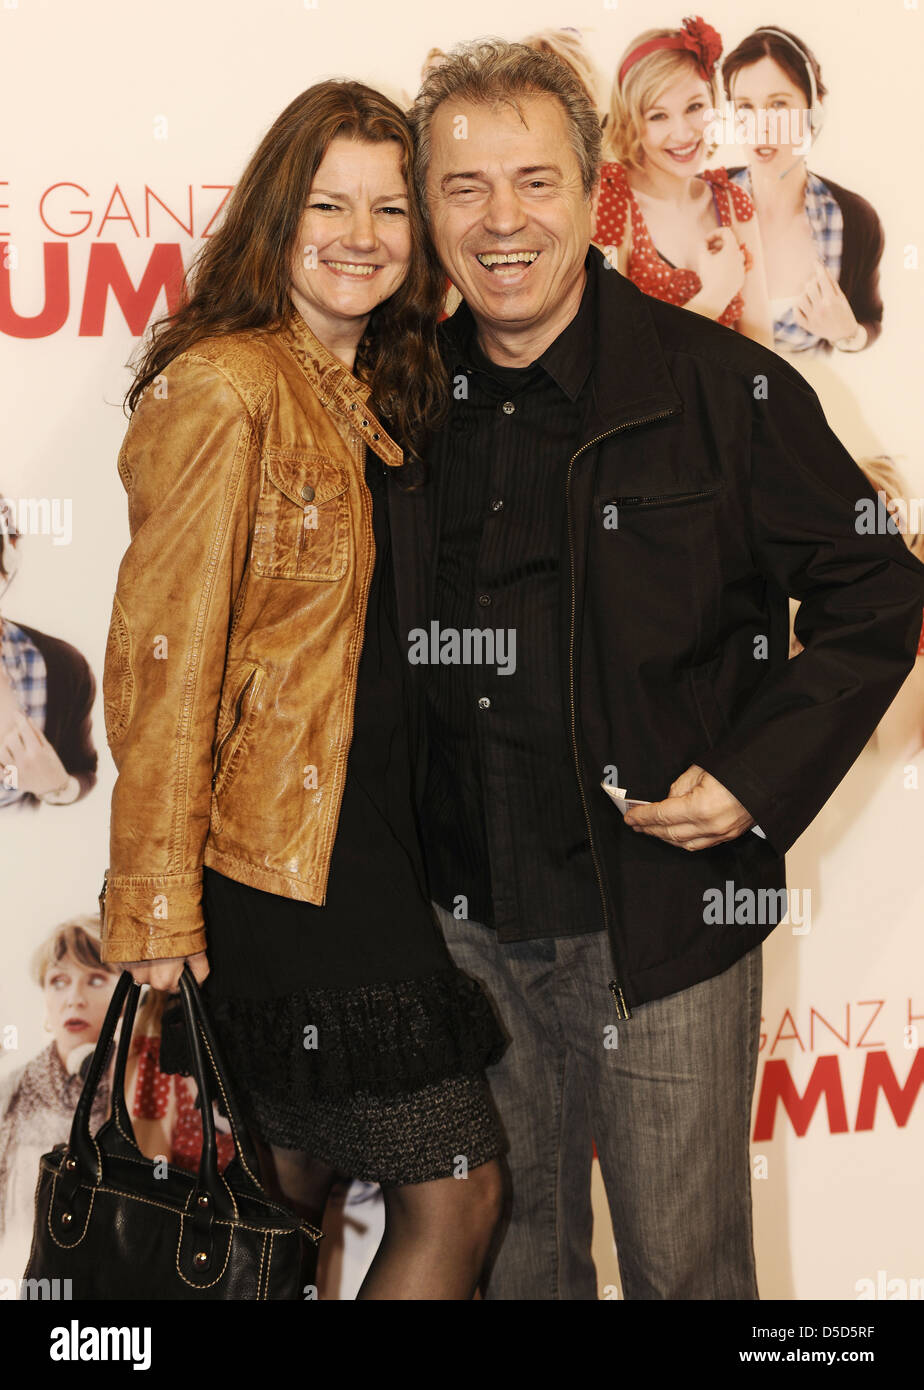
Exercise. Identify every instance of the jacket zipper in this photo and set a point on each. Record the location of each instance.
(664, 498)
(622, 1008)
(237, 719)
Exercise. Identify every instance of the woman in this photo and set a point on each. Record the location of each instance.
(47, 692)
(680, 232)
(254, 688)
(822, 243)
(37, 1101)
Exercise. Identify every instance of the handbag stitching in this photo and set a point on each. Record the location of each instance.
(217, 1075)
(51, 1206)
(260, 1270)
(269, 1261)
(219, 1220)
(221, 1272)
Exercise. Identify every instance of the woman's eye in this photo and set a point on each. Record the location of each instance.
(400, 211)
(695, 106)
(98, 978)
(325, 206)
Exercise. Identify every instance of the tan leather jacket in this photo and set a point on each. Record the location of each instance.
(236, 630)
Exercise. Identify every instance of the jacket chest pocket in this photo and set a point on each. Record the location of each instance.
(642, 501)
(302, 526)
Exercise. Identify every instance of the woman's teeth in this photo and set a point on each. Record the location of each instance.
(684, 151)
(351, 268)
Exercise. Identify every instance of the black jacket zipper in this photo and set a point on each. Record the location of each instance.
(622, 1008)
(662, 499)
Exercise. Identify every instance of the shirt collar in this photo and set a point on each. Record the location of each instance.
(567, 360)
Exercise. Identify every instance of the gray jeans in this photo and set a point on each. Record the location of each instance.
(666, 1097)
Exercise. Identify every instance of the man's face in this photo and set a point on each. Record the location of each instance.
(509, 188)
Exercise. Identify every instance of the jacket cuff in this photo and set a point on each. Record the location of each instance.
(757, 800)
(152, 917)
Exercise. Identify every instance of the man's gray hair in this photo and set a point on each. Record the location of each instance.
(487, 71)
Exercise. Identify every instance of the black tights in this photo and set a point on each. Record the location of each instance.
(437, 1234)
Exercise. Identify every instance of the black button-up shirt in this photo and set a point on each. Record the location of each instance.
(503, 822)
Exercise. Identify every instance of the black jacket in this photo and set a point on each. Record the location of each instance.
(731, 493)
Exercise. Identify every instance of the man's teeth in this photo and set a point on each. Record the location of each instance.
(489, 258)
(352, 269)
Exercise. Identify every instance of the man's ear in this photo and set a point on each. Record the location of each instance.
(594, 200)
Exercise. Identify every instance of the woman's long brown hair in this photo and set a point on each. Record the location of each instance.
(240, 279)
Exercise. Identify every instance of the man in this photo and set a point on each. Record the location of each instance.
(593, 582)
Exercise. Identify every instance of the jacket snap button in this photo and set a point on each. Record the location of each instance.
(365, 422)
(374, 436)
(308, 492)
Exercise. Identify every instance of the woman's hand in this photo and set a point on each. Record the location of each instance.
(823, 308)
(720, 269)
(165, 974)
(38, 767)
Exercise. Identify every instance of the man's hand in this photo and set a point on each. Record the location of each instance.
(165, 974)
(698, 813)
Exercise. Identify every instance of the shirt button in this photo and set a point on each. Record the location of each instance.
(497, 504)
(308, 492)
(484, 702)
(508, 407)
(484, 600)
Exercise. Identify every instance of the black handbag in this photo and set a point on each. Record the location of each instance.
(105, 1221)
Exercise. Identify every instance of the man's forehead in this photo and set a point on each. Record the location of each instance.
(527, 112)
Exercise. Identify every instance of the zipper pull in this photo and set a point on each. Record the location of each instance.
(102, 898)
(620, 1001)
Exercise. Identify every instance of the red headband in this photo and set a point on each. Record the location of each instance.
(698, 38)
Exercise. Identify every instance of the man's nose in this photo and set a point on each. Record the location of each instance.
(504, 213)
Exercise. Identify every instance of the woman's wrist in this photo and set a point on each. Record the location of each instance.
(854, 341)
(63, 795)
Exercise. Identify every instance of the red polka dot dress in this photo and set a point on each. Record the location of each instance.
(647, 268)
(152, 1093)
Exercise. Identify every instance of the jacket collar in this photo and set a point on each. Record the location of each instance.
(614, 332)
(336, 387)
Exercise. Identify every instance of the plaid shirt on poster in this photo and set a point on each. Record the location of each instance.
(25, 667)
(827, 223)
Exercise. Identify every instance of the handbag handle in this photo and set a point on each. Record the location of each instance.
(83, 1160)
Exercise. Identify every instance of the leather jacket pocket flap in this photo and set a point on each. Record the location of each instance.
(305, 478)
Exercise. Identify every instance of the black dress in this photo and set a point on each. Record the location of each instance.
(348, 1031)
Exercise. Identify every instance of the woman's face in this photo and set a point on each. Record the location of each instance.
(354, 238)
(773, 115)
(76, 1000)
(673, 127)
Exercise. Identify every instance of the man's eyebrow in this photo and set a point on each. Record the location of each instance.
(479, 173)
